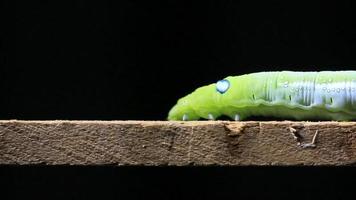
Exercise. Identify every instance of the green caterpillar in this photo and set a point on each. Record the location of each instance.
(325, 95)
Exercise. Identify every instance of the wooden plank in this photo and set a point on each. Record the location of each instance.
(156, 143)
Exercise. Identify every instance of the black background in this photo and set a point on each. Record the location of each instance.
(133, 59)
(118, 60)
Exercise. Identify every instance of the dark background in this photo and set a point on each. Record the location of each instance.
(130, 59)
(126, 59)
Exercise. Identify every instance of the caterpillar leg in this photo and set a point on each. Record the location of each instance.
(211, 117)
(237, 117)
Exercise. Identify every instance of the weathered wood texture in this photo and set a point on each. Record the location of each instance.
(175, 143)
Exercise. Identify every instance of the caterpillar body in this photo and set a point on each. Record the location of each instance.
(324, 95)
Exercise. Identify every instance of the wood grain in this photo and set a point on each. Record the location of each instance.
(157, 143)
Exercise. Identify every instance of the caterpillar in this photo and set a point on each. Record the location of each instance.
(324, 95)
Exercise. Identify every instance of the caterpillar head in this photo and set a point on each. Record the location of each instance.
(202, 103)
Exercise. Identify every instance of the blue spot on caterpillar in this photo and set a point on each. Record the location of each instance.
(325, 95)
(222, 86)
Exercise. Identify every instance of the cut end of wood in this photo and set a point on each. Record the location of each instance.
(160, 143)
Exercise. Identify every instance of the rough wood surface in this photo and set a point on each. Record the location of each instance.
(175, 143)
